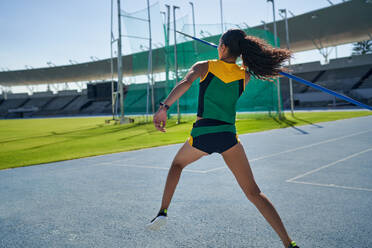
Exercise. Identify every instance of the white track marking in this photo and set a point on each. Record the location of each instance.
(251, 160)
(292, 180)
(124, 160)
(114, 163)
(311, 145)
(332, 186)
(295, 149)
(215, 169)
(329, 165)
(142, 166)
(196, 171)
(158, 168)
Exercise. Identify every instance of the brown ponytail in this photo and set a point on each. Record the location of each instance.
(262, 60)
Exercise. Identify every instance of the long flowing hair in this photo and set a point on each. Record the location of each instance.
(262, 60)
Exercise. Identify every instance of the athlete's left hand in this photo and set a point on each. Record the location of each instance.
(160, 119)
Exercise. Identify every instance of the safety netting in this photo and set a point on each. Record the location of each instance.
(259, 96)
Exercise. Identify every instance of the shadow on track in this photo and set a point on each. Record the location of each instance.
(309, 122)
(288, 123)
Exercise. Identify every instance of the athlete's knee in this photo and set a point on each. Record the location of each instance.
(252, 192)
(178, 165)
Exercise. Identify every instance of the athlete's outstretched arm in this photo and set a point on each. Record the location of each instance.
(197, 70)
(182, 86)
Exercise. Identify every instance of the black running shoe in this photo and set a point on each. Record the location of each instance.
(293, 245)
(159, 221)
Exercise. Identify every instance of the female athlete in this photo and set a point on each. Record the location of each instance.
(222, 82)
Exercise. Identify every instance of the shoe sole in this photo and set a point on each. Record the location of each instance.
(157, 223)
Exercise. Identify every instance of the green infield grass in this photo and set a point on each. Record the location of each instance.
(26, 142)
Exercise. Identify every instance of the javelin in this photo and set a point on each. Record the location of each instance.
(300, 80)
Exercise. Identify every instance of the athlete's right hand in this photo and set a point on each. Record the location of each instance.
(160, 119)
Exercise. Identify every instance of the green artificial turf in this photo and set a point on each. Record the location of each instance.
(34, 141)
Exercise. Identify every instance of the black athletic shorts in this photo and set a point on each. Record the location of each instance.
(210, 135)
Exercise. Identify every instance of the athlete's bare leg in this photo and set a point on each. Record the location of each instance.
(185, 156)
(238, 163)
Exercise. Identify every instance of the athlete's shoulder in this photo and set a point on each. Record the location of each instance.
(201, 68)
(201, 63)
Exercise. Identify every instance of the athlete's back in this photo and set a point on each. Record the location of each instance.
(219, 91)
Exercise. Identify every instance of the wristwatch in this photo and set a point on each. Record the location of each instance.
(164, 105)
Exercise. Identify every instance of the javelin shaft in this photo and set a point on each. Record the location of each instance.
(197, 39)
(316, 86)
(300, 80)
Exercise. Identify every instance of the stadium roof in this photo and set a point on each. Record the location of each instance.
(339, 24)
(347, 22)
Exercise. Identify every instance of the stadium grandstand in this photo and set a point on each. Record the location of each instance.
(335, 25)
(350, 76)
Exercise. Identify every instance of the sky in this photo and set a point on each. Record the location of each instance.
(33, 33)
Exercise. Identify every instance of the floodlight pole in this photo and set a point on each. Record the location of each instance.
(167, 50)
(168, 21)
(165, 16)
(175, 60)
(120, 67)
(193, 23)
(167, 46)
(276, 44)
(151, 81)
(289, 60)
(112, 64)
(221, 16)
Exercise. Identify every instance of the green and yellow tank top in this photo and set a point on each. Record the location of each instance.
(220, 90)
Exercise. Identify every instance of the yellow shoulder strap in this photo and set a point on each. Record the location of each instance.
(225, 71)
(206, 74)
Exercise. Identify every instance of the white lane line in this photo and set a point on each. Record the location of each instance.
(195, 171)
(114, 163)
(142, 166)
(215, 169)
(295, 149)
(124, 160)
(333, 186)
(250, 160)
(158, 168)
(329, 165)
(311, 145)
